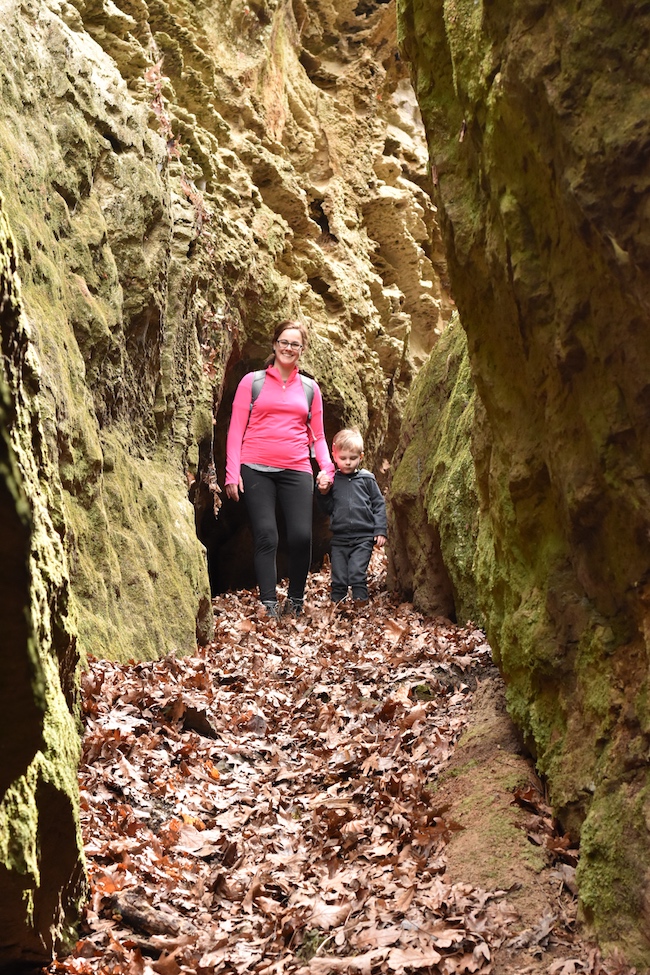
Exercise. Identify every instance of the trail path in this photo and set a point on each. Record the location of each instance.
(339, 793)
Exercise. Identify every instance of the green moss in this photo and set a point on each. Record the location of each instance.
(42, 866)
(56, 765)
(139, 571)
(436, 465)
(464, 30)
(456, 771)
(503, 839)
(98, 279)
(450, 497)
(19, 827)
(516, 780)
(610, 880)
(642, 706)
(312, 940)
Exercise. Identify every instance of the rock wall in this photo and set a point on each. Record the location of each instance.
(433, 510)
(101, 243)
(539, 138)
(178, 177)
(344, 234)
(41, 870)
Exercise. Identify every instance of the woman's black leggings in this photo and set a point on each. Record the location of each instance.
(294, 490)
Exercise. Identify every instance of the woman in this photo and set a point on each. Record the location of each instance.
(267, 458)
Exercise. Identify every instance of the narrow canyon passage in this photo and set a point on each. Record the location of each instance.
(452, 197)
(339, 793)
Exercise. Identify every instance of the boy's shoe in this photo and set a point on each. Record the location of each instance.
(292, 607)
(272, 608)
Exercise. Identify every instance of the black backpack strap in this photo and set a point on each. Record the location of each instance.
(258, 381)
(308, 386)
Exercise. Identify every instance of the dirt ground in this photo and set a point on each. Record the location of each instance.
(500, 845)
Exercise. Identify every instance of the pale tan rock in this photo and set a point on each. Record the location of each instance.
(178, 179)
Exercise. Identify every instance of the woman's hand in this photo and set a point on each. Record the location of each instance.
(234, 490)
(380, 541)
(323, 482)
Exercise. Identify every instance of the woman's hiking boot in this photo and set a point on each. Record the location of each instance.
(292, 607)
(272, 608)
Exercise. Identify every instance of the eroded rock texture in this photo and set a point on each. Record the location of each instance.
(178, 177)
(433, 511)
(539, 134)
(41, 872)
(101, 251)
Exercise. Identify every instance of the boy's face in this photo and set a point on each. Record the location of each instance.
(347, 461)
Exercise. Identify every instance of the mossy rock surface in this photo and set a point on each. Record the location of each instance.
(539, 156)
(177, 181)
(433, 505)
(118, 366)
(42, 881)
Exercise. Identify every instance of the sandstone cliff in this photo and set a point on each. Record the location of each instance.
(539, 137)
(433, 511)
(41, 871)
(177, 177)
(100, 251)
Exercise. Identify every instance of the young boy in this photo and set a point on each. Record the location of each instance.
(357, 516)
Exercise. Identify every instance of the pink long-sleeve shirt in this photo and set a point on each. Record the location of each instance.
(275, 432)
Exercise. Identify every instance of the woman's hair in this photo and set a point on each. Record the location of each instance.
(289, 323)
(348, 439)
(277, 332)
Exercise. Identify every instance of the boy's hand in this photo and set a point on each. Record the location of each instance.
(380, 541)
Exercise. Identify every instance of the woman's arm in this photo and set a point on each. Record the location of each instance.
(241, 408)
(321, 451)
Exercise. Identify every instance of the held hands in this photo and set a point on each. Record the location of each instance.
(323, 483)
(234, 490)
(380, 541)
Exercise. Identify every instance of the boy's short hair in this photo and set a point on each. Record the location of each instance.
(348, 439)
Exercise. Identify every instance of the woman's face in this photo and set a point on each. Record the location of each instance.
(288, 347)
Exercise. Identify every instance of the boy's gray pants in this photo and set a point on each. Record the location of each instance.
(350, 558)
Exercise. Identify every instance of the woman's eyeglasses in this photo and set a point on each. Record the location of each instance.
(294, 346)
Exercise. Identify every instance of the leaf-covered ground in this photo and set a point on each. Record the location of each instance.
(287, 800)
